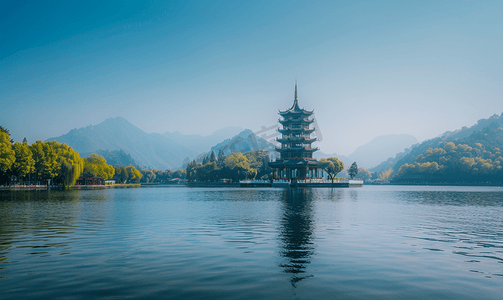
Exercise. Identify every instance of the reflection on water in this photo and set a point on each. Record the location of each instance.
(468, 224)
(36, 220)
(40, 223)
(297, 233)
(181, 243)
(452, 198)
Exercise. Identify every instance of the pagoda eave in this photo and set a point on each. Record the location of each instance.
(296, 113)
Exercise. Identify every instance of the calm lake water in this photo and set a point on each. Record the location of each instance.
(374, 242)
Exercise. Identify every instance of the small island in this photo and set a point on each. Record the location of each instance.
(296, 166)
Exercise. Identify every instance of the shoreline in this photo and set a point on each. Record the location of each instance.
(74, 187)
(228, 185)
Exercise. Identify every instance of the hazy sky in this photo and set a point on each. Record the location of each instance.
(367, 68)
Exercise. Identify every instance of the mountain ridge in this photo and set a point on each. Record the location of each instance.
(245, 141)
(199, 143)
(148, 150)
(118, 139)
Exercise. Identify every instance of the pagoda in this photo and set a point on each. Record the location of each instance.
(296, 160)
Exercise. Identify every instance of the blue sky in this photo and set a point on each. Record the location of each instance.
(367, 68)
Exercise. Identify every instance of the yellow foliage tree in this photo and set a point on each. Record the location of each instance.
(466, 163)
(450, 147)
(24, 164)
(239, 166)
(386, 175)
(96, 166)
(133, 174)
(7, 154)
(69, 163)
(404, 169)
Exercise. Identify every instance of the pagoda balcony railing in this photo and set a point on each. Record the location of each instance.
(288, 128)
(292, 137)
(306, 158)
(304, 120)
(287, 139)
(298, 148)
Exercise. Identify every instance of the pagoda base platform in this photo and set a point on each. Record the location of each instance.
(285, 184)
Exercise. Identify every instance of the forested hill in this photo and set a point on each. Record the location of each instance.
(468, 155)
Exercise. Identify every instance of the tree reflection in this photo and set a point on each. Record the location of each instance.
(297, 233)
(35, 220)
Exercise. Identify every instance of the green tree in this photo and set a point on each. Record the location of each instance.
(121, 175)
(148, 176)
(332, 166)
(133, 174)
(181, 174)
(127, 174)
(96, 166)
(7, 156)
(24, 164)
(69, 164)
(213, 157)
(163, 176)
(353, 170)
(259, 160)
(386, 175)
(405, 169)
(363, 174)
(221, 158)
(450, 147)
(239, 167)
(5, 130)
(46, 165)
(191, 170)
(207, 172)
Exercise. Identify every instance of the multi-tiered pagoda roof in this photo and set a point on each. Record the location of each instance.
(296, 158)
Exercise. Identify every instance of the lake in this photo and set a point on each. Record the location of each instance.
(373, 242)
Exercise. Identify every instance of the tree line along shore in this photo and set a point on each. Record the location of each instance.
(54, 163)
(58, 164)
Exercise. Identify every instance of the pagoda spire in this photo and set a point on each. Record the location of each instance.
(296, 100)
(295, 107)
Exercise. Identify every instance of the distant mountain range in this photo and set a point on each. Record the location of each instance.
(148, 150)
(122, 143)
(376, 151)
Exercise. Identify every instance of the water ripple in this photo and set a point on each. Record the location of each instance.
(373, 242)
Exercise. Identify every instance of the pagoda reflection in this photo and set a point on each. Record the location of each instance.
(296, 233)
